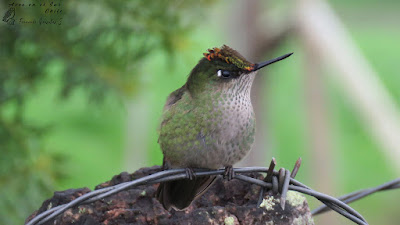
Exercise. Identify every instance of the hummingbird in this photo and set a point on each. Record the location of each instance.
(208, 123)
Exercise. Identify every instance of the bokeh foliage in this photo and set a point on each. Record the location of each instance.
(98, 48)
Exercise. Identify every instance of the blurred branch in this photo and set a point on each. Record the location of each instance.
(319, 136)
(255, 42)
(317, 22)
(98, 48)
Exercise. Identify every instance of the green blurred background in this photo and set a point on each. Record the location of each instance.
(81, 102)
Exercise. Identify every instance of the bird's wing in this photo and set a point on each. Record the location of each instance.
(174, 97)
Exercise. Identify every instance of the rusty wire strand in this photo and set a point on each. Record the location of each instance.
(354, 196)
(176, 174)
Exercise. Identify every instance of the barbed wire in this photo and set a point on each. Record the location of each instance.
(176, 174)
(278, 181)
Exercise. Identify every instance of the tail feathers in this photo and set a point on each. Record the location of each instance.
(179, 194)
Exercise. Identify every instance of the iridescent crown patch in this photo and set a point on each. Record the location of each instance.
(229, 55)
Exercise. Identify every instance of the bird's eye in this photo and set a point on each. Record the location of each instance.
(224, 73)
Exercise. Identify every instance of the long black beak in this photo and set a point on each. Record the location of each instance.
(266, 63)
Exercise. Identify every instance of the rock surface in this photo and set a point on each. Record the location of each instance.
(226, 202)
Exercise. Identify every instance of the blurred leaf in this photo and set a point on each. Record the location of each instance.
(99, 48)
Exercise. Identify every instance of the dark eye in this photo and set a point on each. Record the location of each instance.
(224, 73)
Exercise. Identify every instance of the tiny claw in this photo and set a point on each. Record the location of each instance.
(190, 174)
(229, 173)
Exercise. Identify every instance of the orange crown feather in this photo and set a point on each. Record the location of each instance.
(229, 55)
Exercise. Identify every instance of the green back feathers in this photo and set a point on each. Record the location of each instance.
(229, 55)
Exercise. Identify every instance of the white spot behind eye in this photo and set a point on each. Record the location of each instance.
(219, 73)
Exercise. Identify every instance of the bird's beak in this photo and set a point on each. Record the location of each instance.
(258, 66)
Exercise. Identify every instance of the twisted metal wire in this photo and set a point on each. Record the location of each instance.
(276, 181)
(354, 196)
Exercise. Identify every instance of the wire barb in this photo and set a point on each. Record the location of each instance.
(268, 179)
(280, 185)
(296, 168)
(285, 188)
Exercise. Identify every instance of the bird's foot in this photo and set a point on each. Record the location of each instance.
(190, 173)
(229, 173)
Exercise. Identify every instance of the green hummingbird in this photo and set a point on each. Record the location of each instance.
(208, 123)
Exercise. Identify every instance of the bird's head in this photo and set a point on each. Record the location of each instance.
(224, 68)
